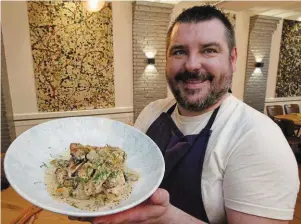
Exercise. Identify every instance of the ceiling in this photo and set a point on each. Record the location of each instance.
(282, 9)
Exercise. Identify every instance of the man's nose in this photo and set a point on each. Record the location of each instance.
(193, 63)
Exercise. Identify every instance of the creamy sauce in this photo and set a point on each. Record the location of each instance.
(92, 204)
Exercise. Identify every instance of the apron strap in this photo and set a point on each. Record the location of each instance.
(212, 118)
(171, 109)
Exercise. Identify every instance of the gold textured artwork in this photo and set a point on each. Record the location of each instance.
(72, 53)
(289, 67)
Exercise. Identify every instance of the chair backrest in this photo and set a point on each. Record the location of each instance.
(274, 110)
(288, 127)
(291, 108)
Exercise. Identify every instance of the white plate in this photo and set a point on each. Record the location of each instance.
(46, 141)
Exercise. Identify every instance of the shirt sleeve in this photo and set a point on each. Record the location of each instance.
(261, 177)
(142, 121)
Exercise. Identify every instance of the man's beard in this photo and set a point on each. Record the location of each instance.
(218, 88)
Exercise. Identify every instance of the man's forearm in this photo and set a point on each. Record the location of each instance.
(177, 216)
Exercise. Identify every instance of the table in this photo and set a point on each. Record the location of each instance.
(296, 118)
(12, 205)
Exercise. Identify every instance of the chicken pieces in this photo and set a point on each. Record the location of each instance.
(92, 171)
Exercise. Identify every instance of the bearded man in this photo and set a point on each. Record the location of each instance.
(225, 161)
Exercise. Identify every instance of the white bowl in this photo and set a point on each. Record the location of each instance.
(46, 141)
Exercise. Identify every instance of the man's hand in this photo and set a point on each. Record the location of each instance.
(154, 210)
(158, 210)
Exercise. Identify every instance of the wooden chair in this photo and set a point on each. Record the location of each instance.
(291, 108)
(274, 110)
(288, 128)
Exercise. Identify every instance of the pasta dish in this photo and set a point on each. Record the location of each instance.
(92, 177)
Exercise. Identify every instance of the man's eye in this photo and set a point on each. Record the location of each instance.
(209, 51)
(178, 52)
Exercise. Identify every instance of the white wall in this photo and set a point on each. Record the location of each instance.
(15, 28)
(274, 59)
(242, 36)
(123, 56)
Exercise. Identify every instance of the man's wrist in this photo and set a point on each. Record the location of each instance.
(174, 215)
(169, 216)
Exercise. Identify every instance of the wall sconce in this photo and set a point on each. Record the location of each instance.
(151, 61)
(259, 64)
(258, 67)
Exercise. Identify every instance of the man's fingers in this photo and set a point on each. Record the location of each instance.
(128, 216)
(145, 211)
(81, 219)
(160, 197)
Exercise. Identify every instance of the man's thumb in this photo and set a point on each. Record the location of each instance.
(160, 197)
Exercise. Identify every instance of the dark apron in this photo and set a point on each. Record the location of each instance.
(184, 158)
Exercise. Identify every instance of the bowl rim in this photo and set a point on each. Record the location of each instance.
(81, 213)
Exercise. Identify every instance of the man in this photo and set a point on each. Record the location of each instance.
(225, 162)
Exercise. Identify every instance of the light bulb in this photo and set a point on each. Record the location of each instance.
(150, 54)
(94, 5)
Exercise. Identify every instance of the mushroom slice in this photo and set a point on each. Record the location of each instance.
(79, 192)
(73, 168)
(60, 163)
(61, 175)
(131, 176)
(99, 177)
(68, 182)
(89, 188)
(78, 152)
(85, 171)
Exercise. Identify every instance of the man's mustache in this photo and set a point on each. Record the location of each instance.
(186, 76)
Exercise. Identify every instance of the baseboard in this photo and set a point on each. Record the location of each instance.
(283, 99)
(23, 122)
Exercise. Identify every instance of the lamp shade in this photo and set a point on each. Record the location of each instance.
(151, 61)
(259, 64)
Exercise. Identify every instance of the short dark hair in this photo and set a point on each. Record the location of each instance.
(204, 13)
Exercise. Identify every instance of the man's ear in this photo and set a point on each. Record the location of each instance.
(233, 58)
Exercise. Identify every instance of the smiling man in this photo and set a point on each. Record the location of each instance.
(225, 161)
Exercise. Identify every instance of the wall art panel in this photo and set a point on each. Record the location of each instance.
(289, 66)
(72, 53)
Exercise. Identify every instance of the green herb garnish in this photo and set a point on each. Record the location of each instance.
(100, 175)
(43, 165)
(114, 174)
(83, 180)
